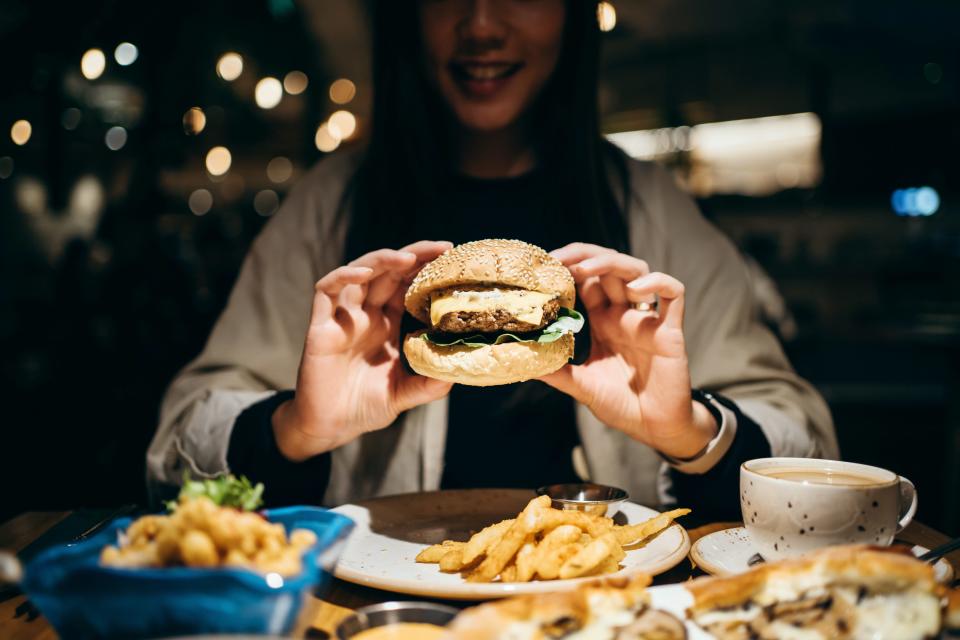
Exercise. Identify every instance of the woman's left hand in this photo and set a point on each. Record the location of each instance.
(637, 378)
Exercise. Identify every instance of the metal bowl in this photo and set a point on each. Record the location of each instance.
(378, 615)
(595, 499)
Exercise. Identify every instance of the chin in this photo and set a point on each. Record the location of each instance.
(487, 118)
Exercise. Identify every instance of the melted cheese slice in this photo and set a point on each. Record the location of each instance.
(525, 306)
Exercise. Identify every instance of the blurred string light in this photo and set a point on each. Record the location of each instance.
(915, 202)
(279, 170)
(606, 16)
(933, 72)
(194, 121)
(116, 138)
(756, 156)
(92, 64)
(268, 93)
(125, 54)
(342, 91)
(266, 202)
(230, 66)
(20, 132)
(200, 202)
(6, 167)
(325, 139)
(295, 82)
(343, 124)
(70, 118)
(218, 161)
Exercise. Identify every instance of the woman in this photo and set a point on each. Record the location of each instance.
(485, 125)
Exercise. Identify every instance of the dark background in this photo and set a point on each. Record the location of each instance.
(109, 282)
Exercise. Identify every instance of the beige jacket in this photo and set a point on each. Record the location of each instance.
(255, 347)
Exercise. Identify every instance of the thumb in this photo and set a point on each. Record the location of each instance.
(412, 391)
(567, 380)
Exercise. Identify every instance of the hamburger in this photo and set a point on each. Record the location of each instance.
(496, 312)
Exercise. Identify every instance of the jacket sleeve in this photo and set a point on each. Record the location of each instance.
(730, 351)
(255, 345)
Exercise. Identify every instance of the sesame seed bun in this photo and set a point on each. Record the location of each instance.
(489, 365)
(509, 263)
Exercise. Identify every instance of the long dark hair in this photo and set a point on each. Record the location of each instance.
(409, 154)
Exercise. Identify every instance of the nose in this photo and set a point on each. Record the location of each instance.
(483, 24)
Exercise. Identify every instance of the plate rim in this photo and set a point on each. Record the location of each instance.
(487, 591)
(714, 570)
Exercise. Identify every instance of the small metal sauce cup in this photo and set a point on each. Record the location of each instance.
(378, 615)
(595, 499)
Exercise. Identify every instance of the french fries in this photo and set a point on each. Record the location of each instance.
(543, 543)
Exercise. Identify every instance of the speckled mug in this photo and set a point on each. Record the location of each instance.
(787, 518)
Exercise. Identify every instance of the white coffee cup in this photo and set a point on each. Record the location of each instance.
(794, 505)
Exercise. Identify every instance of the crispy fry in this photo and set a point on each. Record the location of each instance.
(632, 533)
(433, 553)
(596, 526)
(528, 522)
(607, 566)
(481, 542)
(544, 543)
(590, 556)
(525, 560)
(452, 560)
(549, 567)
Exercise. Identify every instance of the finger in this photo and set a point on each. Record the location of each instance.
(383, 288)
(592, 294)
(671, 294)
(567, 380)
(577, 251)
(616, 264)
(613, 288)
(328, 288)
(414, 390)
(428, 249)
(382, 260)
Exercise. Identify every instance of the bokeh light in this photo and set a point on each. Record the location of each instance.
(343, 124)
(92, 64)
(126, 54)
(606, 16)
(194, 121)
(266, 202)
(279, 169)
(325, 139)
(295, 82)
(268, 93)
(218, 161)
(70, 119)
(6, 167)
(20, 132)
(915, 202)
(116, 138)
(230, 66)
(342, 91)
(200, 202)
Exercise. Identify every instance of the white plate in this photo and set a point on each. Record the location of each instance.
(374, 558)
(727, 552)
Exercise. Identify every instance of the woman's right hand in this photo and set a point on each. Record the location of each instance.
(351, 380)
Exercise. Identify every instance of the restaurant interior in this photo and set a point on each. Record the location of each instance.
(144, 146)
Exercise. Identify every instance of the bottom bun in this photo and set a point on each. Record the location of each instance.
(488, 365)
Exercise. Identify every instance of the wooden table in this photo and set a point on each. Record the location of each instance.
(343, 597)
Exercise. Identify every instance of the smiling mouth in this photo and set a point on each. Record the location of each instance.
(486, 71)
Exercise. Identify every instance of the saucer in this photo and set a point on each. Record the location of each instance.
(728, 552)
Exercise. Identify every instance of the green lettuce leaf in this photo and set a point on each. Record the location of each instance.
(568, 321)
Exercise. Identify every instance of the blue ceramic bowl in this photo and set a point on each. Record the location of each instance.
(82, 599)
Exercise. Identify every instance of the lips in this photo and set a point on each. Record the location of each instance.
(483, 79)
